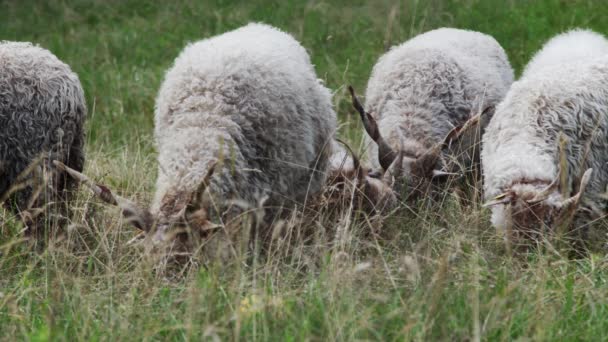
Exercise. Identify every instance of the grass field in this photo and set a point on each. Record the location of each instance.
(431, 274)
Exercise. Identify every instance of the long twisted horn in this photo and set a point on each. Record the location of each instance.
(138, 217)
(386, 155)
(429, 159)
(572, 202)
(356, 160)
(547, 191)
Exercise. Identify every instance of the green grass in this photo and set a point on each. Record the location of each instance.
(429, 275)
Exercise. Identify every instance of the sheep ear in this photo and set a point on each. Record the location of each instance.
(138, 217)
(441, 174)
(503, 198)
(375, 174)
(386, 155)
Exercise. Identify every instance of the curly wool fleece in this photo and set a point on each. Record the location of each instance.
(251, 98)
(42, 112)
(563, 91)
(421, 89)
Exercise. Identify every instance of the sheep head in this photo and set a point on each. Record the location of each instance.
(526, 207)
(414, 171)
(349, 176)
(181, 212)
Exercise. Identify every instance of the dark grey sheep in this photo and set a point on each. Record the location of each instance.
(42, 112)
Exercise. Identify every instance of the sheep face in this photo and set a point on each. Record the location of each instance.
(416, 175)
(379, 193)
(527, 209)
(408, 171)
(180, 214)
(522, 218)
(372, 193)
(347, 176)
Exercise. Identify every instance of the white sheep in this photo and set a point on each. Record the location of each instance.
(571, 46)
(42, 114)
(423, 92)
(243, 116)
(563, 93)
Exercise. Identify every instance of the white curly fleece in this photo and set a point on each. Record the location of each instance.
(563, 90)
(421, 89)
(250, 97)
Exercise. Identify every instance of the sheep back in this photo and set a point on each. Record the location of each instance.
(251, 97)
(563, 93)
(434, 82)
(42, 113)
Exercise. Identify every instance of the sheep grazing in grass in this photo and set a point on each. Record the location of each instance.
(239, 117)
(425, 94)
(546, 144)
(42, 113)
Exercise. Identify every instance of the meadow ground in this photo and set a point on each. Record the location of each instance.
(433, 273)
